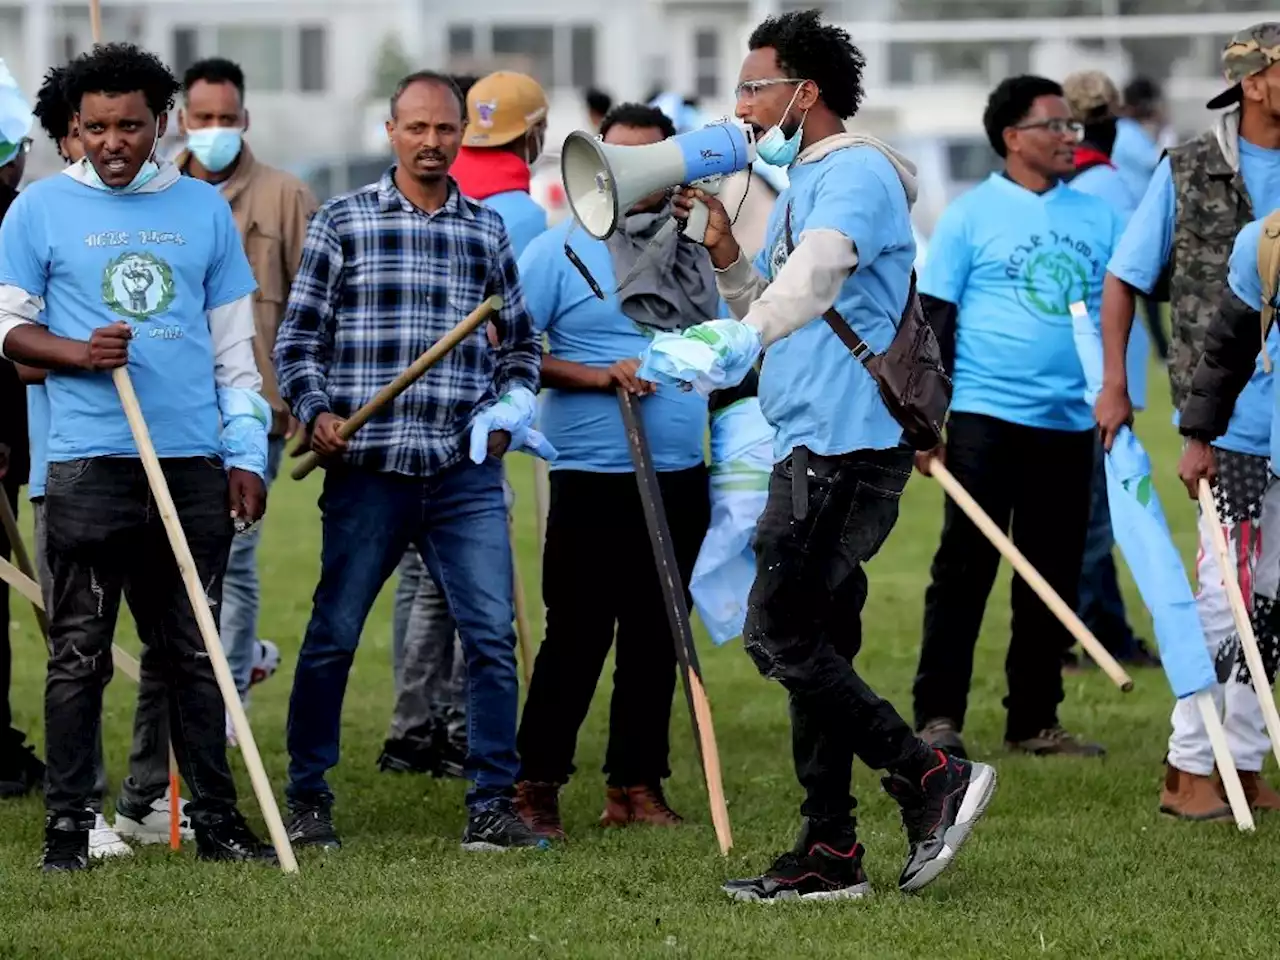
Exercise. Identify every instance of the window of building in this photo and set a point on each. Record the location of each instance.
(528, 49)
(462, 40)
(706, 63)
(186, 49)
(582, 56)
(259, 50)
(313, 59)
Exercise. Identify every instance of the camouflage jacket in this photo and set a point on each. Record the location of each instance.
(1211, 206)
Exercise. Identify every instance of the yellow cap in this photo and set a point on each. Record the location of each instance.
(502, 107)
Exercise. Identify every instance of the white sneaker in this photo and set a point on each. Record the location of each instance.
(105, 842)
(154, 827)
(266, 660)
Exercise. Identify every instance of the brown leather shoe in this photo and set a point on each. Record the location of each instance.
(538, 805)
(639, 804)
(1189, 796)
(1260, 794)
(1056, 742)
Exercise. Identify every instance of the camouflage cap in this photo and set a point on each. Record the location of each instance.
(1091, 96)
(1250, 51)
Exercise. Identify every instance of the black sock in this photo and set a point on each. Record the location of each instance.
(921, 760)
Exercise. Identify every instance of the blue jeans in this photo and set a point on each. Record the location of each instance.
(1101, 606)
(240, 590)
(458, 522)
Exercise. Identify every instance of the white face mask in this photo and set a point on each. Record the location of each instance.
(146, 173)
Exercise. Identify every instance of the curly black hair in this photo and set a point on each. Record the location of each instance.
(808, 49)
(52, 109)
(214, 70)
(1009, 104)
(638, 115)
(116, 68)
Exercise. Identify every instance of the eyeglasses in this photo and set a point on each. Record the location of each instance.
(748, 89)
(1057, 126)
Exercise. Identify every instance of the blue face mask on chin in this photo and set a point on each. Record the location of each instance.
(216, 148)
(775, 147)
(146, 173)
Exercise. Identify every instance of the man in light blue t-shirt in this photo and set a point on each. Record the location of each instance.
(839, 238)
(1006, 261)
(594, 344)
(121, 261)
(1095, 102)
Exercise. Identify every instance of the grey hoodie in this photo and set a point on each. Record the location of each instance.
(810, 281)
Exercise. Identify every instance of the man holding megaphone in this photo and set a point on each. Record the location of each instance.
(837, 265)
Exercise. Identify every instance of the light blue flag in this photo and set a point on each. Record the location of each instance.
(15, 116)
(741, 462)
(1143, 536)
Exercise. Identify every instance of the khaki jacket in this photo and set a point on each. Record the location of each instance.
(272, 209)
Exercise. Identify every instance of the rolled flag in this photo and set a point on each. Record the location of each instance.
(741, 462)
(709, 356)
(1143, 535)
(15, 116)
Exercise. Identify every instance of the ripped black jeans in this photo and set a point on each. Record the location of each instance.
(804, 617)
(104, 538)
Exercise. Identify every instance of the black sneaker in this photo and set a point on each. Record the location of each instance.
(20, 771)
(311, 825)
(406, 756)
(226, 836)
(814, 870)
(66, 843)
(938, 813)
(497, 828)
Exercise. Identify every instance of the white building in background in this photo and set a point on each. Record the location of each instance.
(313, 65)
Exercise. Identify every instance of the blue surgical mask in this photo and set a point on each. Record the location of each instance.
(215, 147)
(146, 173)
(775, 147)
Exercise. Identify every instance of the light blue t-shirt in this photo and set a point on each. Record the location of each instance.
(521, 215)
(585, 426)
(1107, 183)
(1013, 261)
(811, 389)
(1135, 155)
(1147, 243)
(37, 437)
(159, 261)
(1243, 278)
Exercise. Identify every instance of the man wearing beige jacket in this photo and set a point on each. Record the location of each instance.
(272, 209)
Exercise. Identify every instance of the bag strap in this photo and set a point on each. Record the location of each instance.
(861, 351)
(1269, 275)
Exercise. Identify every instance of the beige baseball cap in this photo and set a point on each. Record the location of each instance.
(502, 107)
(1091, 96)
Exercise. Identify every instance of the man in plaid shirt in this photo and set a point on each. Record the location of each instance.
(386, 271)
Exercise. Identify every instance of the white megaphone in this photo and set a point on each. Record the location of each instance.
(603, 181)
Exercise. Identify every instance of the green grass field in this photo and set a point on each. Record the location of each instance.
(1071, 861)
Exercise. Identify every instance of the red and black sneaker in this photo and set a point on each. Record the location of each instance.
(938, 813)
(814, 870)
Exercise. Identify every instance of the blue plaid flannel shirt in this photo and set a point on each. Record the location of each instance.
(381, 281)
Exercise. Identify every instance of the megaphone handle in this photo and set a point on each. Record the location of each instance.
(695, 227)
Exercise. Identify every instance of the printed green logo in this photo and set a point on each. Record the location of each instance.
(137, 286)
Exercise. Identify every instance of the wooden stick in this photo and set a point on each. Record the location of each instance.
(30, 591)
(1031, 576)
(403, 382)
(204, 617)
(175, 797)
(523, 635)
(10, 523)
(1240, 612)
(95, 20)
(678, 614)
(1226, 763)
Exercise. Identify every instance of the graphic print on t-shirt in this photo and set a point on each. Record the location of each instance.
(1053, 271)
(138, 284)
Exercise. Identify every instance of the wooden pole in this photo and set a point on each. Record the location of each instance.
(10, 524)
(1240, 612)
(204, 617)
(402, 383)
(678, 614)
(1031, 576)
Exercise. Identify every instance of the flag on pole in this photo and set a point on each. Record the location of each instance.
(15, 116)
(1138, 523)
